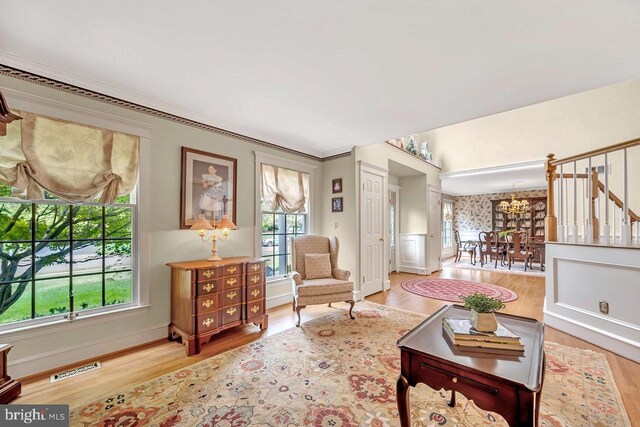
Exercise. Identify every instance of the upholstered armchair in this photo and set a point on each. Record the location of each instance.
(316, 278)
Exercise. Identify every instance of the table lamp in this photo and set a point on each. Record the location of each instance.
(225, 225)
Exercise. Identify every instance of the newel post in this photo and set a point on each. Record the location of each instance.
(551, 222)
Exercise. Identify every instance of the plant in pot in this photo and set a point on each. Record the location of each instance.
(483, 311)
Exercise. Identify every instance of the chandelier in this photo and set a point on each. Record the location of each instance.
(515, 207)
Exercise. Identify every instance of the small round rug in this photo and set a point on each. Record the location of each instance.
(451, 289)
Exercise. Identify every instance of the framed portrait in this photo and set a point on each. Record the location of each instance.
(208, 187)
(336, 204)
(336, 185)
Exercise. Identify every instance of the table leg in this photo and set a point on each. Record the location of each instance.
(452, 402)
(402, 396)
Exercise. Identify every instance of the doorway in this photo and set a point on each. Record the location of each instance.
(434, 227)
(394, 226)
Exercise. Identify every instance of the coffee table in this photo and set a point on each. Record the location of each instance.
(507, 385)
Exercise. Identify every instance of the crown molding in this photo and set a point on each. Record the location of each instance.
(15, 67)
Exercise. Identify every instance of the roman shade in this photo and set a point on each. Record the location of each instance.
(72, 161)
(284, 190)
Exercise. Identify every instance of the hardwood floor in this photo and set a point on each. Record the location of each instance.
(121, 371)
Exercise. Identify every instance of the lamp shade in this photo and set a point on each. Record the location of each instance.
(201, 224)
(225, 222)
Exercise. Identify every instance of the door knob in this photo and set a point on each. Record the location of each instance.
(381, 239)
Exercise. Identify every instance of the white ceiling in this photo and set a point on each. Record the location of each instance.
(322, 76)
(503, 179)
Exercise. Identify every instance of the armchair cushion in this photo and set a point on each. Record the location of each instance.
(317, 266)
(329, 286)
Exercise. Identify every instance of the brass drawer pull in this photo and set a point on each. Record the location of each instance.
(208, 287)
(255, 309)
(255, 279)
(231, 281)
(231, 295)
(255, 267)
(208, 303)
(455, 379)
(255, 292)
(231, 311)
(232, 269)
(208, 322)
(207, 273)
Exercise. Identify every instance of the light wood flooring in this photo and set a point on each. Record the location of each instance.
(124, 369)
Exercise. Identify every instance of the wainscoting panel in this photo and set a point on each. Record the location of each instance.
(413, 253)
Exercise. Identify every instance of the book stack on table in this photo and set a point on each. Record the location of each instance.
(465, 337)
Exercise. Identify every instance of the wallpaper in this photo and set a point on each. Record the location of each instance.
(473, 213)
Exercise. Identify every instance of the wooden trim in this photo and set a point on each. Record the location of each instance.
(97, 96)
(597, 152)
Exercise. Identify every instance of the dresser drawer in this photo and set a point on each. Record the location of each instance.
(229, 270)
(255, 308)
(207, 303)
(231, 314)
(203, 274)
(207, 322)
(255, 267)
(231, 282)
(230, 297)
(208, 287)
(255, 292)
(255, 279)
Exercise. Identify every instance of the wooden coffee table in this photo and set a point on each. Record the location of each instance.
(507, 385)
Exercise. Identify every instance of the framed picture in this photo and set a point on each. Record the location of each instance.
(336, 204)
(208, 187)
(336, 185)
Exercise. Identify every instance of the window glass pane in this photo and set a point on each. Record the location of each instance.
(87, 222)
(52, 222)
(52, 297)
(268, 223)
(87, 257)
(117, 255)
(17, 264)
(15, 221)
(52, 259)
(117, 222)
(5, 190)
(118, 287)
(15, 302)
(268, 266)
(87, 292)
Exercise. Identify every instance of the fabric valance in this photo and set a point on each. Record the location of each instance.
(284, 190)
(75, 162)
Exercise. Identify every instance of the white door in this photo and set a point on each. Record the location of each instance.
(433, 227)
(372, 232)
(393, 229)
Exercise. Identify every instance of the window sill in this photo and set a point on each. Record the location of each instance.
(33, 331)
(278, 281)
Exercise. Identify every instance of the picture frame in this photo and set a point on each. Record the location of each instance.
(336, 186)
(336, 204)
(208, 186)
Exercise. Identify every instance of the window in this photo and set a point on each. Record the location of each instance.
(447, 224)
(58, 258)
(284, 213)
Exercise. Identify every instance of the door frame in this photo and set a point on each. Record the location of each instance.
(432, 188)
(384, 173)
(395, 189)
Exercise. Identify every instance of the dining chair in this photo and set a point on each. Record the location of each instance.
(519, 249)
(467, 247)
(489, 246)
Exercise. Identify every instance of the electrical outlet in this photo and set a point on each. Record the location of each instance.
(604, 307)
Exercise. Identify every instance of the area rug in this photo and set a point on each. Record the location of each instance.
(452, 289)
(515, 269)
(334, 371)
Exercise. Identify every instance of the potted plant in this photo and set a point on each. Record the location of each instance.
(483, 311)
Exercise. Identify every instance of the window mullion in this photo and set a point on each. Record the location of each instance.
(33, 260)
(71, 307)
(104, 251)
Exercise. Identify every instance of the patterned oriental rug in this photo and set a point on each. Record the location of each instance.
(451, 289)
(338, 372)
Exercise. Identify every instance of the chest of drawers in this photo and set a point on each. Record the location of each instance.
(209, 297)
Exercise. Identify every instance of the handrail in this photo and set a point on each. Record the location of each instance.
(598, 152)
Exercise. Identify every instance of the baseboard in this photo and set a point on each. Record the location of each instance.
(46, 361)
(414, 270)
(387, 285)
(614, 343)
(278, 300)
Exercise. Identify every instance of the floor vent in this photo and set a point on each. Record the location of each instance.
(75, 371)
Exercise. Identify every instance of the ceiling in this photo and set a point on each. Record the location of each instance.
(503, 179)
(322, 77)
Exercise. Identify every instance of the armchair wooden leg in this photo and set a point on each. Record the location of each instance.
(352, 303)
(329, 304)
(293, 305)
(298, 308)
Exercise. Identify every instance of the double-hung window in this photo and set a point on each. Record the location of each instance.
(447, 224)
(284, 213)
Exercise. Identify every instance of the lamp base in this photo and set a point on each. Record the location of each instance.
(214, 250)
(215, 258)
